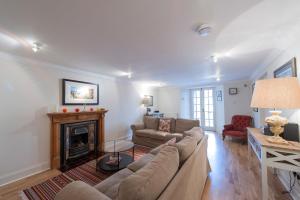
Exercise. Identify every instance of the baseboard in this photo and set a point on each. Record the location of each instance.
(24, 173)
(30, 171)
(284, 179)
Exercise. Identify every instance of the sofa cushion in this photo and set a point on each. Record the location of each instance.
(79, 190)
(156, 150)
(151, 122)
(140, 163)
(164, 125)
(185, 124)
(149, 133)
(196, 133)
(110, 186)
(150, 181)
(178, 136)
(185, 147)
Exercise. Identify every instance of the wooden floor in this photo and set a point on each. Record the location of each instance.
(233, 176)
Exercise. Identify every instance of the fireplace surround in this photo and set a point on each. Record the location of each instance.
(57, 121)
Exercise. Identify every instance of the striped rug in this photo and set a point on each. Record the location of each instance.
(86, 173)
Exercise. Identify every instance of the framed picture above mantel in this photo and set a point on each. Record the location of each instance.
(79, 92)
(289, 69)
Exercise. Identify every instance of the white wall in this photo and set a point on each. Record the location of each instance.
(292, 115)
(169, 101)
(29, 88)
(220, 115)
(237, 104)
(185, 104)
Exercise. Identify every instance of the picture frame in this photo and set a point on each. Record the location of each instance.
(150, 99)
(289, 69)
(233, 91)
(219, 95)
(253, 86)
(79, 92)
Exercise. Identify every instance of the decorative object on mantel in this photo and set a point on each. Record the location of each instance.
(79, 93)
(279, 93)
(289, 69)
(65, 110)
(233, 91)
(147, 102)
(77, 109)
(91, 109)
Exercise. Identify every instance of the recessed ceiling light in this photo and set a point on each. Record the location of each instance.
(214, 58)
(203, 30)
(36, 47)
(218, 79)
(129, 75)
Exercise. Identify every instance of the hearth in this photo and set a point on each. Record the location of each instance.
(78, 143)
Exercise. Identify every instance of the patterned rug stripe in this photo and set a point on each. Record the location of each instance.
(86, 173)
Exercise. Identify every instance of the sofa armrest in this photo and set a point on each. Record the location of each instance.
(228, 127)
(79, 190)
(135, 127)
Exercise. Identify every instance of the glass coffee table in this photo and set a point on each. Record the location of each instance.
(116, 156)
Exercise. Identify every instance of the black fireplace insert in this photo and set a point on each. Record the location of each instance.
(79, 142)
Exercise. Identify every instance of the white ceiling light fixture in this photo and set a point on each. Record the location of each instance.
(218, 79)
(129, 75)
(36, 47)
(203, 30)
(214, 58)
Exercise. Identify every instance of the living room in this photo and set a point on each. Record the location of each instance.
(137, 74)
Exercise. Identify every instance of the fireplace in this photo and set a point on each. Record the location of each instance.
(78, 143)
(57, 119)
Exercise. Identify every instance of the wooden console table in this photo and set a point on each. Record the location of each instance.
(71, 117)
(286, 157)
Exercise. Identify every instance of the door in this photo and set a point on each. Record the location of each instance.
(203, 107)
(208, 109)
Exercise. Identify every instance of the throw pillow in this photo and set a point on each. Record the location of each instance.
(164, 125)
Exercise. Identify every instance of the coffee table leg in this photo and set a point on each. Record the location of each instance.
(118, 160)
(133, 153)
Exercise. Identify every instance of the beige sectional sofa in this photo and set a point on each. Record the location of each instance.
(174, 171)
(147, 133)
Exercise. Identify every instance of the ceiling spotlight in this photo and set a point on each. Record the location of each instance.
(36, 47)
(214, 58)
(203, 30)
(129, 75)
(218, 78)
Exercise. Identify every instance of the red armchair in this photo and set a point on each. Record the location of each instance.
(238, 126)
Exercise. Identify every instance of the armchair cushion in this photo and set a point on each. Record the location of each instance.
(241, 122)
(236, 133)
(228, 127)
(238, 126)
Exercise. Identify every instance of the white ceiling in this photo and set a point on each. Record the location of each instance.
(153, 39)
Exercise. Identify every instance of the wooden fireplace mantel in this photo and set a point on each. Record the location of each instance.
(57, 119)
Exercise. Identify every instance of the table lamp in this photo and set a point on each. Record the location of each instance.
(278, 93)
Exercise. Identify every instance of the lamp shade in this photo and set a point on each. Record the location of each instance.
(279, 93)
